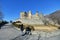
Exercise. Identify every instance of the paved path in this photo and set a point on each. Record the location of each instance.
(8, 32)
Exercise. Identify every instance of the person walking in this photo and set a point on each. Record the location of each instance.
(22, 28)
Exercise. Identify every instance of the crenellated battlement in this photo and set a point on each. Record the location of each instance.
(29, 15)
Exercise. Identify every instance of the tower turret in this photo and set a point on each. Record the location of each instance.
(29, 14)
(22, 15)
(37, 14)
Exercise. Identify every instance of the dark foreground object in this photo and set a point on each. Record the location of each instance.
(3, 23)
(28, 31)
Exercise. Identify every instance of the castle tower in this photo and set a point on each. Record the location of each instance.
(29, 15)
(22, 15)
(37, 14)
(26, 15)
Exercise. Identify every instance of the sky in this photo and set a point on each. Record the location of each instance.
(11, 8)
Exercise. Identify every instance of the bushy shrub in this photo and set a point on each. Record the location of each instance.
(16, 25)
(3, 23)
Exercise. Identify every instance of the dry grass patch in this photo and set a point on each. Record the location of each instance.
(46, 28)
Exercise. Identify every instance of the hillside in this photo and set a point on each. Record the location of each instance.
(55, 16)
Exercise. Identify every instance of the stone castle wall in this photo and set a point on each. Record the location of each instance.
(29, 15)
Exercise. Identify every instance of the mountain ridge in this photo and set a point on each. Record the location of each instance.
(54, 16)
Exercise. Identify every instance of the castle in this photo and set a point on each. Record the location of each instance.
(28, 15)
(37, 19)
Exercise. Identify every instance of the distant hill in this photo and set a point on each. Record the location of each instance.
(54, 16)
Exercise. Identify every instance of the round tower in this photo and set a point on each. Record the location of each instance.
(29, 15)
(22, 15)
(37, 14)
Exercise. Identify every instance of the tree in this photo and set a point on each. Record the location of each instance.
(1, 16)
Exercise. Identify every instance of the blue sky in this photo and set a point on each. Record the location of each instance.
(12, 8)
